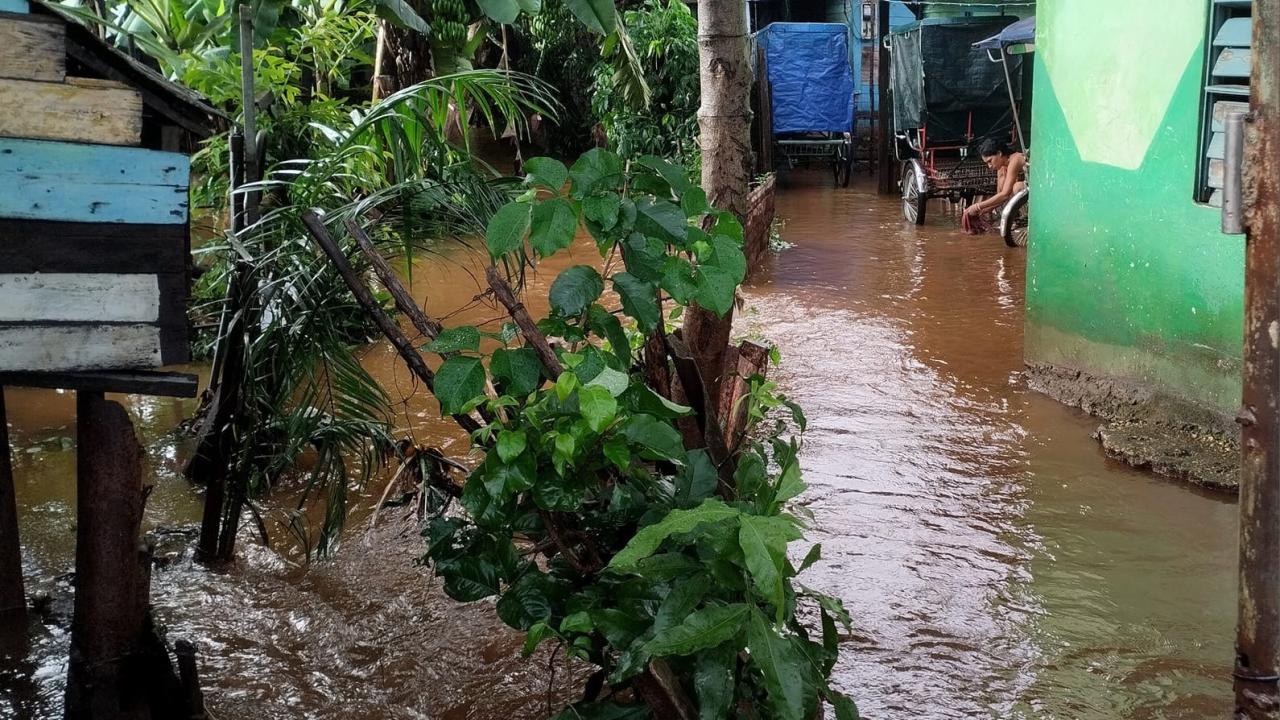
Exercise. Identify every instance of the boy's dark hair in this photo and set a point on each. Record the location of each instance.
(994, 146)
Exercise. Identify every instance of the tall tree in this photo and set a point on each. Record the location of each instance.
(724, 122)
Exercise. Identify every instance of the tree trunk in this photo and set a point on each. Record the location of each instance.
(724, 121)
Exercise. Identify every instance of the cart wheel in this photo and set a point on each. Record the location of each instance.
(914, 198)
(1014, 220)
(843, 165)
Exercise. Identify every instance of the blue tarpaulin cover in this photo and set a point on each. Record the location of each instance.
(810, 77)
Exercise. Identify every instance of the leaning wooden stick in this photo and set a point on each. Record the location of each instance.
(430, 329)
(528, 328)
(389, 328)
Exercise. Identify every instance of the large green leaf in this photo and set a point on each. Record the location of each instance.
(676, 176)
(597, 169)
(400, 13)
(764, 546)
(661, 219)
(554, 224)
(713, 681)
(678, 280)
(703, 629)
(603, 209)
(615, 382)
(470, 579)
(530, 600)
(518, 370)
(715, 289)
(504, 478)
(645, 542)
(597, 406)
(506, 228)
(598, 15)
(500, 11)
(726, 254)
(658, 440)
(575, 289)
(844, 705)
(459, 381)
(780, 665)
(510, 444)
(639, 300)
(547, 172)
(607, 325)
(455, 340)
(697, 480)
(683, 599)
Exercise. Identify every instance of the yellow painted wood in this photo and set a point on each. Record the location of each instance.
(79, 110)
(33, 48)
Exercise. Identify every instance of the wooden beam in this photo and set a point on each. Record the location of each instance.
(41, 246)
(33, 47)
(45, 180)
(138, 382)
(79, 110)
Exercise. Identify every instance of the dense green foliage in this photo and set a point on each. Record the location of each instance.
(665, 35)
(588, 516)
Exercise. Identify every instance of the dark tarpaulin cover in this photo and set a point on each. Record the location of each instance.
(810, 77)
(1023, 31)
(941, 82)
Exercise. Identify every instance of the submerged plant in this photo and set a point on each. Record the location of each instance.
(642, 535)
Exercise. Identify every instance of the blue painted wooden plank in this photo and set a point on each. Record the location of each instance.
(14, 6)
(1233, 63)
(1235, 32)
(46, 180)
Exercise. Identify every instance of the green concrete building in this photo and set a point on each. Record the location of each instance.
(1128, 275)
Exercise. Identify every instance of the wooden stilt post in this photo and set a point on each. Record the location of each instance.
(12, 594)
(110, 584)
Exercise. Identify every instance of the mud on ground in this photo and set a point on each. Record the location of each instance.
(1147, 430)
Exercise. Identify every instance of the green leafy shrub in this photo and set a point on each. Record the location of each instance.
(665, 36)
(588, 517)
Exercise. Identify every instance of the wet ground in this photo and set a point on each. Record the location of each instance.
(996, 564)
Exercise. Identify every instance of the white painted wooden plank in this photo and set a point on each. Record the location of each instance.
(79, 297)
(99, 112)
(53, 348)
(33, 49)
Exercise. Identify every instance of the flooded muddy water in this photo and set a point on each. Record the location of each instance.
(996, 564)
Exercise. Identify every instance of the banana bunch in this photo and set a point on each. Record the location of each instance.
(450, 24)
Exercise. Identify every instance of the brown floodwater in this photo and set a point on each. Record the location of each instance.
(995, 563)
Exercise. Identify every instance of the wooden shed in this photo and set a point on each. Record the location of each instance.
(95, 261)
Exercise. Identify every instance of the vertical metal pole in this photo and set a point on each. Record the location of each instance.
(884, 159)
(1257, 667)
(12, 594)
(1013, 102)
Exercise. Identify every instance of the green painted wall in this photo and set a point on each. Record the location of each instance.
(1127, 276)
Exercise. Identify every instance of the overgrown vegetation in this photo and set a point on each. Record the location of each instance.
(665, 34)
(591, 516)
